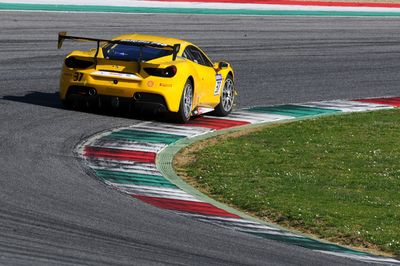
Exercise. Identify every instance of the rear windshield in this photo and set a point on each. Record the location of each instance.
(132, 53)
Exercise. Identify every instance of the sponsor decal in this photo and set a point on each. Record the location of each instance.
(165, 85)
(150, 83)
(145, 43)
(116, 75)
(218, 83)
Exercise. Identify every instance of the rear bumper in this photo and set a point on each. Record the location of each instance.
(147, 102)
(168, 89)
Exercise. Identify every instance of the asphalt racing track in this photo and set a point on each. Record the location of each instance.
(52, 212)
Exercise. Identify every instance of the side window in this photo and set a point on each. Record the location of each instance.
(195, 55)
(186, 54)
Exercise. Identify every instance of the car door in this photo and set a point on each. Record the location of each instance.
(207, 77)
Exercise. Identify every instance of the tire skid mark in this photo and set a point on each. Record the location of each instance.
(125, 159)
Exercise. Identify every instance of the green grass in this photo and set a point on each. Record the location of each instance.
(337, 177)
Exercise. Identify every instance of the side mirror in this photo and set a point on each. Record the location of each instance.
(221, 65)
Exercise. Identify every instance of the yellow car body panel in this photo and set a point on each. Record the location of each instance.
(121, 78)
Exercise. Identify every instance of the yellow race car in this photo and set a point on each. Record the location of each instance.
(153, 73)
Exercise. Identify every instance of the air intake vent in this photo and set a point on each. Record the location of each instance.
(73, 62)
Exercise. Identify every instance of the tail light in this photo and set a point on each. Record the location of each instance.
(168, 72)
(73, 62)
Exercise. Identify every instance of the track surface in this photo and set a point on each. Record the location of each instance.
(51, 211)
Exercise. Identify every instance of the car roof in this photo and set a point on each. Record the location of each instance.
(151, 38)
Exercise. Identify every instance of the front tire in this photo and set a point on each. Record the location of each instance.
(185, 106)
(227, 99)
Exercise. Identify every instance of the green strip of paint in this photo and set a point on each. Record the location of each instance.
(292, 110)
(309, 243)
(208, 11)
(134, 179)
(144, 136)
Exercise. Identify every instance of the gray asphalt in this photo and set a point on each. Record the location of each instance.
(53, 212)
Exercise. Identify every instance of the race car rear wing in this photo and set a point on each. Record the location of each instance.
(63, 36)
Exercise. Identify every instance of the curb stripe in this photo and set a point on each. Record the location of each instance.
(186, 206)
(121, 144)
(309, 243)
(145, 136)
(117, 154)
(134, 179)
(291, 3)
(241, 225)
(347, 106)
(272, 11)
(135, 5)
(157, 192)
(172, 129)
(393, 101)
(258, 232)
(365, 258)
(292, 110)
(227, 220)
(122, 166)
(215, 123)
(253, 117)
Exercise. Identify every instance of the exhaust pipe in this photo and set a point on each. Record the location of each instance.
(137, 96)
(92, 92)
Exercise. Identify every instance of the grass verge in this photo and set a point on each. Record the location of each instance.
(336, 177)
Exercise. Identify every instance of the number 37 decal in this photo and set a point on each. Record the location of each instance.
(77, 76)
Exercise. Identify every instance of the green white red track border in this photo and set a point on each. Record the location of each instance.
(211, 7)
(137, 160)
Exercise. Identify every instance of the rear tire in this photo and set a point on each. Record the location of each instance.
(185, 106)
(227, 99)
(66, 104)
(71, 102)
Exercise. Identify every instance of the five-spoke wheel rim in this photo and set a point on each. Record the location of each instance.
(227, 95)
(187, 99)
